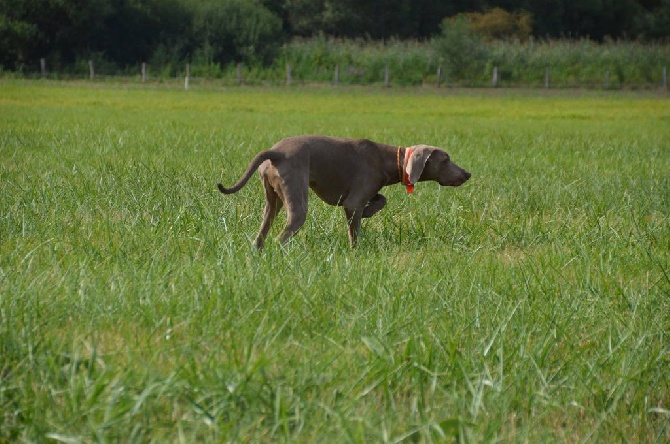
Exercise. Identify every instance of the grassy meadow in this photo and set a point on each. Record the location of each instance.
(530, 305)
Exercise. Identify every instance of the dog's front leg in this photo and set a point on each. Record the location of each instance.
(375, 205)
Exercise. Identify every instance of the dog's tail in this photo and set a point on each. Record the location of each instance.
(253, 166)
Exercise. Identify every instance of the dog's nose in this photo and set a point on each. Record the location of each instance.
(467, 174)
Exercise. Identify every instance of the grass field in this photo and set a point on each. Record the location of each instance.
(530, 305)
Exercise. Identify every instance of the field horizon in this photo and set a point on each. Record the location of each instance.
(530, 304)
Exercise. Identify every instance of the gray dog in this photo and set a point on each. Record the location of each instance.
(343, 172)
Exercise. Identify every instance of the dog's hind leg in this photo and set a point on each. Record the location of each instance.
(354, 224)
(273, 204)
(273, 200)
(294, 195)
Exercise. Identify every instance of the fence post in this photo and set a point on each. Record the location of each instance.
(607, 79)
(439, 76)
(495, 76)
(337, 74)
(188, 74)
(43, 67)
(91, 70)
(289, 78)
(144, 72)
(546, 77)
(238, 73)
(665, 77)
(387, 76)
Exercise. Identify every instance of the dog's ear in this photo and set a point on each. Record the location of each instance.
(417, 161)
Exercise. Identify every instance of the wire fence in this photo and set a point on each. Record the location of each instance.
(349, 75)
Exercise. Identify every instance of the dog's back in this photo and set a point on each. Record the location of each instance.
(333, 165)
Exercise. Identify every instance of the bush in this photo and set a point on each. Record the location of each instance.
(461, 52)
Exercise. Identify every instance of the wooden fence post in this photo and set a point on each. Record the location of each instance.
(91, 70)
(607, 79)
(495, 76)
(337, 74)
(188, 74)
(43, 68)
(439, 76)
(144, 72)
(664, 75)
(546, 77)
(239, 73)
(387, 76)
(289, 77)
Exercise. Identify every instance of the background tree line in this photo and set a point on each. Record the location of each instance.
(122, 33)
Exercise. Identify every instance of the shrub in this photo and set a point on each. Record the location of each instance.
(461, 52)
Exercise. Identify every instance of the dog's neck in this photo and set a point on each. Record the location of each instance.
(389, 163)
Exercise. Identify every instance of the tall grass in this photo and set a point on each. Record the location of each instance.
(613, 64)
(361, 62)
(583, 63)
(532, 304)
(571, 63)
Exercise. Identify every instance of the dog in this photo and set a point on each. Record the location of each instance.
(342, 172)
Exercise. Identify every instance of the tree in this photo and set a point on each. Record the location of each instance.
(653, 22)
(17, 39)
(135, 29)
(57, 30)
(127, 32)
(376, 19)
(594, 19)
(236, 30)
(498, 24)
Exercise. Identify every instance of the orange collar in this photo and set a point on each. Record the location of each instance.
(402, 170)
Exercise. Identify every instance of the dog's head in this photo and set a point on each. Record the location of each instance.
(430, 163)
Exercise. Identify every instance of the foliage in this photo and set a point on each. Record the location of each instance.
(235, 31)
(461, 51)
(125, 33)
(571, 63)
(398, 19)
(653, 23)
(30, 29)
(580, 63)
(498, 24)
(15, 39)
(530, 305)
(360, 61)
